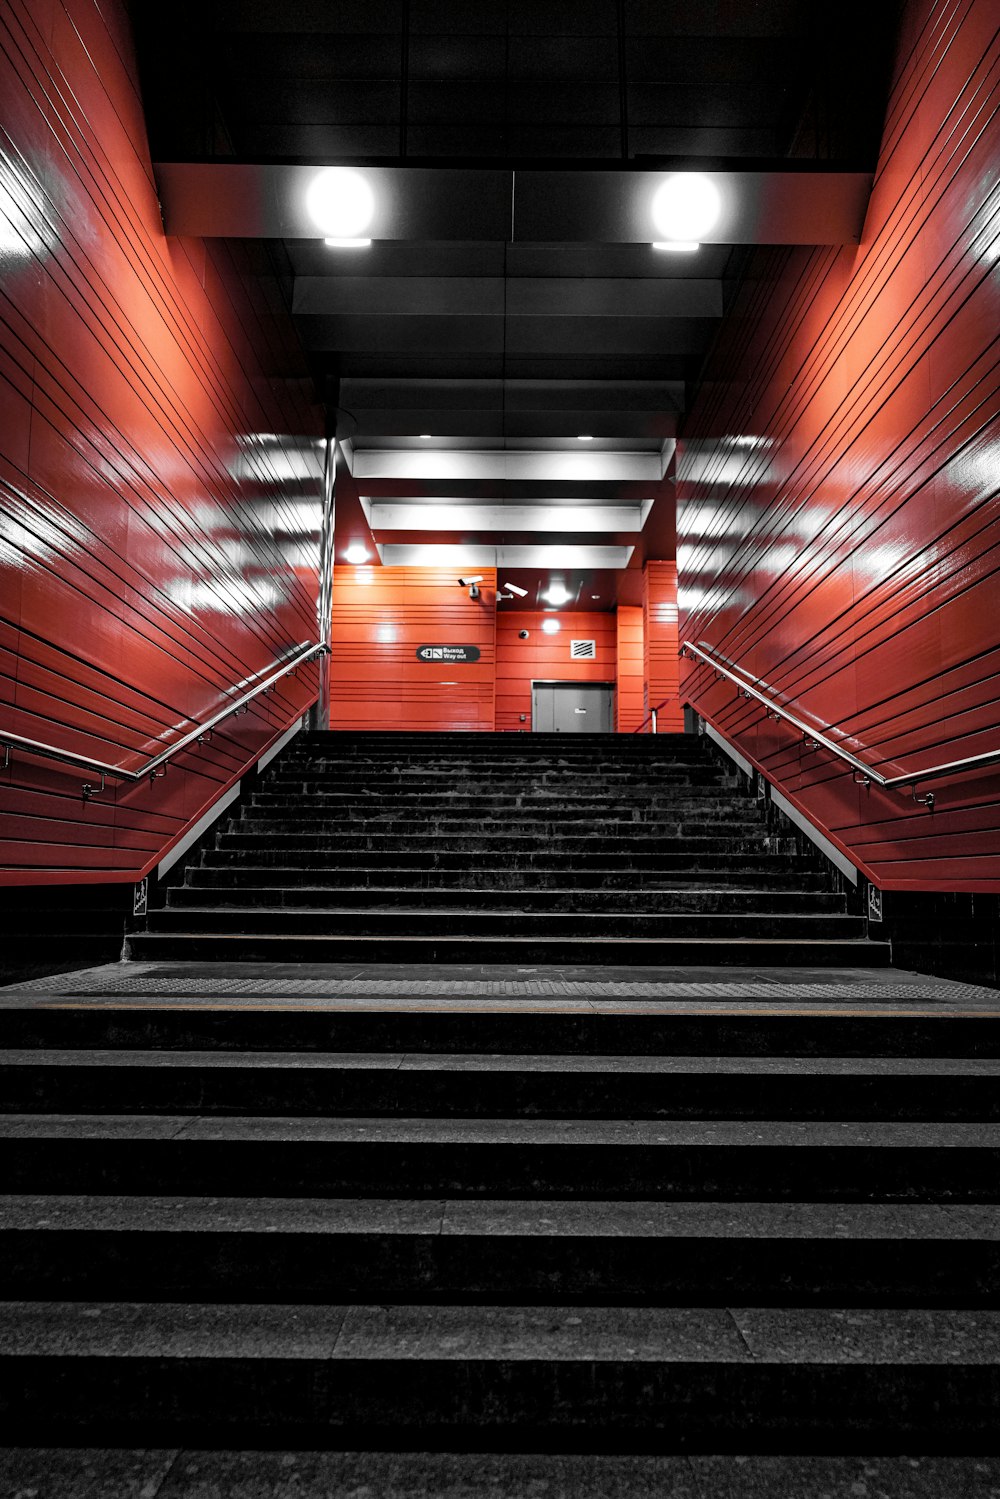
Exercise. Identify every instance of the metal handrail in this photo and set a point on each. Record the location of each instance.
(864, 774)
(150, 769)
(651, 715)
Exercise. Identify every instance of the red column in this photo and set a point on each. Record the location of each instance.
(630, 672)
(660, 644)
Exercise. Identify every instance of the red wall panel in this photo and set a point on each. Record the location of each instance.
(660, 646)
(381, 617)
(630, 698)
(159, 465)
(547, 658)
(839, 482)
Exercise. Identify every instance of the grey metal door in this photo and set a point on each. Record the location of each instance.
(572, 707)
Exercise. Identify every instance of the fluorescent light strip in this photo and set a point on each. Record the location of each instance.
(581, 466)
(388, 515)
(445, 554)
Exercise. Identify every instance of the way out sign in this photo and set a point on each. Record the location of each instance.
(452, 654)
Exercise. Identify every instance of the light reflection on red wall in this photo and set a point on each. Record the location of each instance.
(839, 500)
(159, 480)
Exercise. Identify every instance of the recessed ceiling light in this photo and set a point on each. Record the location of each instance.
(551, 626)
(341, 204)
(595, 595)
(356, 553)
(685, 208)
(556, 595)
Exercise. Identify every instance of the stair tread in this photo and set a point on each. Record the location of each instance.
(488, 1217)
(507, 1062)
(534, 918)
(744, 1135)
(876, 954)
(234, 1474)
(588, 1334)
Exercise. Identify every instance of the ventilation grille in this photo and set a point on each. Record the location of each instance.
(583, 650)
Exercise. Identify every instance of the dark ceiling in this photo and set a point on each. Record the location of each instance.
(509, 80)
(493, 343)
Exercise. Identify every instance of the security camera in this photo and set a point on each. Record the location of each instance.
(522, 593)
(522, 634)
(468, 582)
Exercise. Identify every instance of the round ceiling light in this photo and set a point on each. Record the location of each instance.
(686, 207)
(340, 203)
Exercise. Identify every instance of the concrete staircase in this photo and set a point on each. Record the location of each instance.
(437, 848)
(515, 1232)
(534, 1248)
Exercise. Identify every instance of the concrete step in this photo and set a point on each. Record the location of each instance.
(486, 829)
(474, 1376)
(391, 741)
(246, 836)
(321, 1250)
(711, 803)
(221, 944)
(477, 781)
(510, 882)
(416, 920)
(660, 1160)
(701, 900)
(628, 864)
(234, 1474)
(844, 1028)
(498, 1085)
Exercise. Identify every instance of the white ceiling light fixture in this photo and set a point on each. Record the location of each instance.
(341, 204)
(557, 595)
(551, 626)
(473, 555)
(684, 210)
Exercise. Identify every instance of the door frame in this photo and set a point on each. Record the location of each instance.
(570, 682)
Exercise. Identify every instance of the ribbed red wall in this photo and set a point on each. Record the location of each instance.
(660, 645)
(629, 706)
(381, 617)
(159, 468)
(547, 658)
(839, 517)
